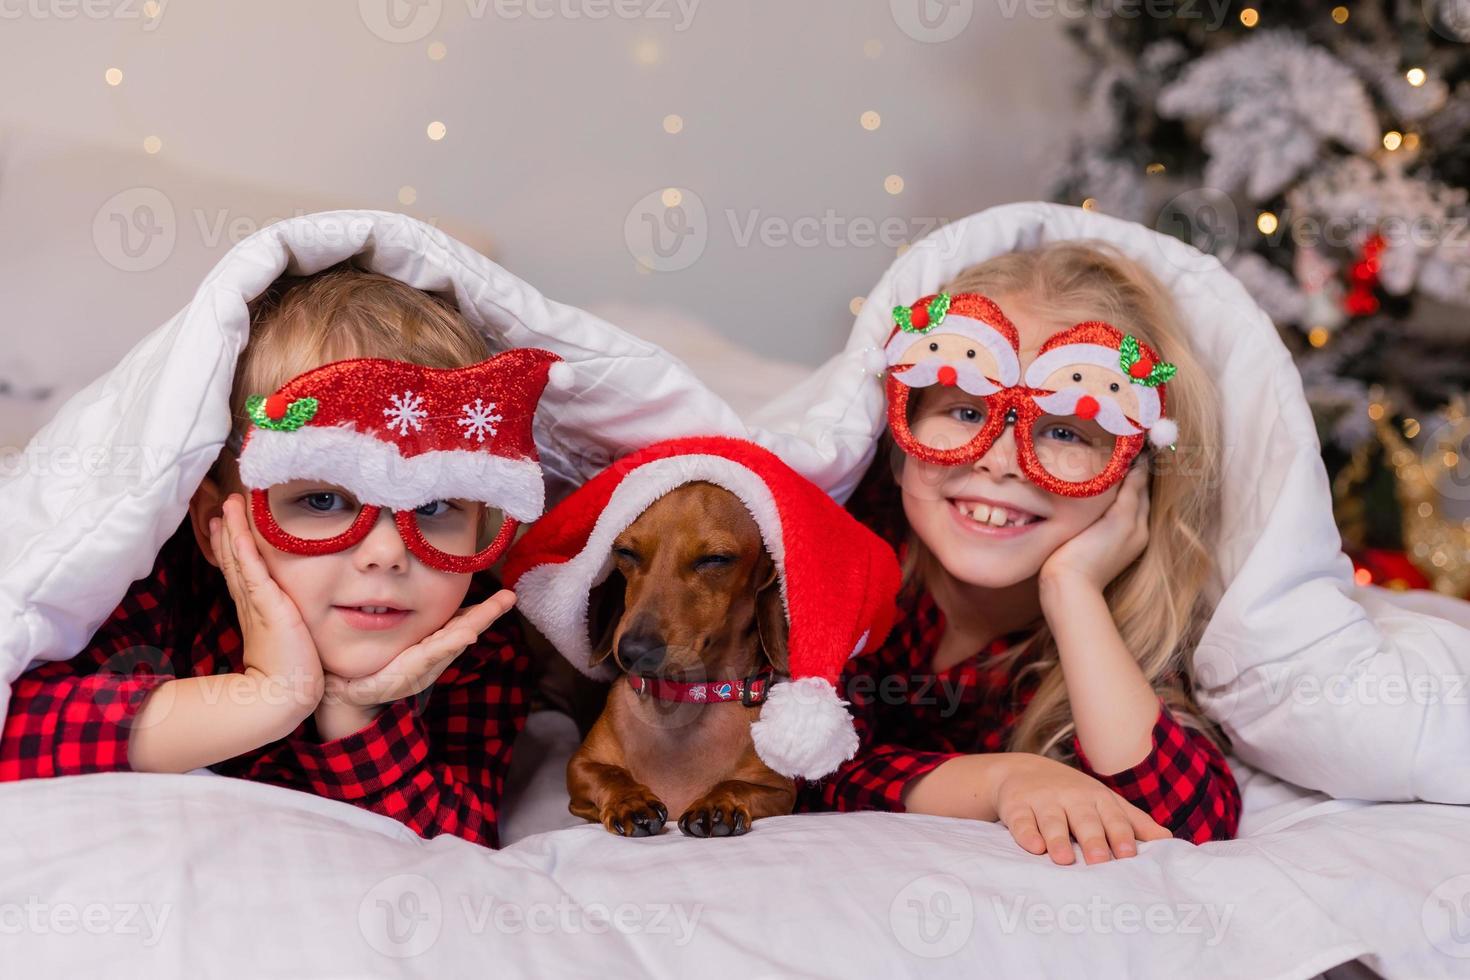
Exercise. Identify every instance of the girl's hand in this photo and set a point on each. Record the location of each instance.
(420, 665)
(1102, 551)
(1046, 805)
(279, 650)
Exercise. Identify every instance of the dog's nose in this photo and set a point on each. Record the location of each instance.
(641, 653)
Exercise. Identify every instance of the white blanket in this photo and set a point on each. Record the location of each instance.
(124, 875)
(241, 878)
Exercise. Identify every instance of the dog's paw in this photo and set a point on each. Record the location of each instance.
(711, 817)
(636, 816)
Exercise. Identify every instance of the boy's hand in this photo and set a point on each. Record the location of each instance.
(279, 650)
(1100, 553)
(348, 704)
(1046, 804)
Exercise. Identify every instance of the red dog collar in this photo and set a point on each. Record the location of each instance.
(749, 691)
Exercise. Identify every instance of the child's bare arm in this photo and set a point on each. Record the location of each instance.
(199, 721)
(1045, 804)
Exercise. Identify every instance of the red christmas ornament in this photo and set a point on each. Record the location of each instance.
(1388, 568)
(947, 376)
(275, 407)
(919, 316)
(1087, 407)
(1363, 279)
(1141, 368)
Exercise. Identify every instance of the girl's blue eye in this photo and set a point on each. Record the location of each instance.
(967, 413)
(1063, 434)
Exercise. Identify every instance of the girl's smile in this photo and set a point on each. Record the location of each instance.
(992, 518)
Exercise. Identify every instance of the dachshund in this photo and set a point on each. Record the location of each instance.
(692, 610)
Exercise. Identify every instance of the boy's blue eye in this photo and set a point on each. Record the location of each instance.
(967, 413)
(323, 501)
(434, 508)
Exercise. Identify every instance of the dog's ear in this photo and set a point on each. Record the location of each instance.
(604, 611)
(770, 618)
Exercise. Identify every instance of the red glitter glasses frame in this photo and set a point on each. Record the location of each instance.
(408, 529)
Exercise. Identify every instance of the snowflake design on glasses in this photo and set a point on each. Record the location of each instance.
(478, 419)
(406, 412)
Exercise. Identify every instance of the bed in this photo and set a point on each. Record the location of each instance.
(147, 875)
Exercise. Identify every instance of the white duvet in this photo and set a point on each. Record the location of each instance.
(160, 876)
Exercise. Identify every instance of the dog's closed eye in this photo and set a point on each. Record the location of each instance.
(710, 562)
(626, 555)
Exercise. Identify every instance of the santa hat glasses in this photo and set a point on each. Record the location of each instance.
(1088, 404)
(332, 447)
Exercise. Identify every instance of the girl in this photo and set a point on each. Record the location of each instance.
(1054, 563)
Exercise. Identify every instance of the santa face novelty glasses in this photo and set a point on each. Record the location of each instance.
(1090, 401)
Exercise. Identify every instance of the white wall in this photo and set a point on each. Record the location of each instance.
(554, 136)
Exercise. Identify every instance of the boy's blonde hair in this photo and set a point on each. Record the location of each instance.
(1159, 601)
(303, 322)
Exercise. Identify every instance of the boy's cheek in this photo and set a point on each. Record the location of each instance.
(360, 659)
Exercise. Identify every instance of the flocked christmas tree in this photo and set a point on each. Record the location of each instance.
(1322, 152)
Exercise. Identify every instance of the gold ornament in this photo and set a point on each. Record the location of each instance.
(1439, 547)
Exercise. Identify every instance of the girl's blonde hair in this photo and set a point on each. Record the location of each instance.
(1159, 602)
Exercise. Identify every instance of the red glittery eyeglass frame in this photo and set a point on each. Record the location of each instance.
(408, 528)
(998, 407)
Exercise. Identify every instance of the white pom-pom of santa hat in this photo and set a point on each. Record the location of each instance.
(1164, 432)
(560, 375)
(804, 729)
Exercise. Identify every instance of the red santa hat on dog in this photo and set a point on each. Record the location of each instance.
(838, 580)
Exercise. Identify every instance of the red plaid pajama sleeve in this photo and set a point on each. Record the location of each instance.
(69, 717)
(1184, 782)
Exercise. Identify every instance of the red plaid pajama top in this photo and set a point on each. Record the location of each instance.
(437, 762)
(910, 718)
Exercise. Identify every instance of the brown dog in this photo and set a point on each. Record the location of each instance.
(695, 598)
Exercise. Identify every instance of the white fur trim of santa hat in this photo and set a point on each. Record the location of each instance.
(377, 473)
(969, 327)
(1096, 354)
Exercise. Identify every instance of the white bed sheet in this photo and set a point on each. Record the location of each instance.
(125, 875)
